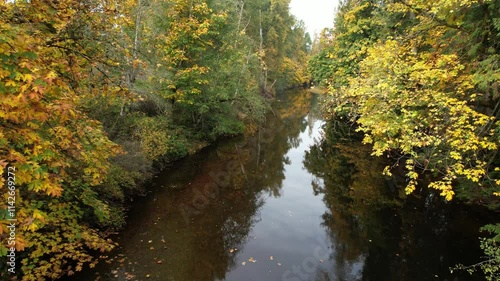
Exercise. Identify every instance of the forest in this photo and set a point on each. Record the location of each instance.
(96, 96)
(420, 81)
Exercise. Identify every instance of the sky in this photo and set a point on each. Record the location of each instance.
(316, 14)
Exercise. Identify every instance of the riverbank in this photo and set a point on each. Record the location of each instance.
(294, 198)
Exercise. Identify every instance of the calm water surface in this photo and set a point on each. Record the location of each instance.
(299, 200)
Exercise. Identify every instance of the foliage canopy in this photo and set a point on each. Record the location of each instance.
(95, 94)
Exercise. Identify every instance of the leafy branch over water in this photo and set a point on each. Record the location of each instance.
(420, 80)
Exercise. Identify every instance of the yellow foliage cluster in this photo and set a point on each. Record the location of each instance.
(413, 96)
(415, 103)
(58, 152)
(153, 138)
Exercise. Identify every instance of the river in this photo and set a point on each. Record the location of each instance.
(299, 200)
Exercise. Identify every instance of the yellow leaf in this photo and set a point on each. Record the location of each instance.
(51, 75)
(27, 77)
(10, 83)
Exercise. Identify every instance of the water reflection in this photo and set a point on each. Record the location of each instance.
(372, 228)
(290, 203)
(203, 214)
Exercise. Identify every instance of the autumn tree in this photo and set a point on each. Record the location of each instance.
(94, 94)
(58, 154)
(419, 78)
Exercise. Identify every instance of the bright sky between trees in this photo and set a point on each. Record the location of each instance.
(316, 14)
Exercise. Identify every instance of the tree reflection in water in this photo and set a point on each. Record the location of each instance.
(181, 232)
(373, 227)
(374, 233)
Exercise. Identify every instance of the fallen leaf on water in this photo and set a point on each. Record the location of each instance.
(251, 259)
(129, 276)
